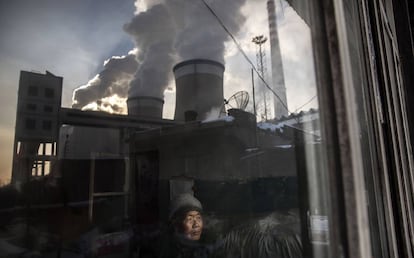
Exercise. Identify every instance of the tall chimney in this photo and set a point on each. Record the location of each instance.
(280, 104)
(145, 106)
(199, 87)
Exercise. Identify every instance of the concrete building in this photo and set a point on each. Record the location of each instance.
(37, 125)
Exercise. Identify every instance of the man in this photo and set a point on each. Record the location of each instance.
(192, 225)
(185, 215)
(183, 238)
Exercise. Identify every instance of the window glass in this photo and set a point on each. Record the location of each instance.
(47, 125)
(199, 137)
(31, 107)
(30, 124)
(49, 93)
(48, 109)
(33, 91)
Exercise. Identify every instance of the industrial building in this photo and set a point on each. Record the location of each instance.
(144, 160)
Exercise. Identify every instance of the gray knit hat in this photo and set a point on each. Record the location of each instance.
(184, 201)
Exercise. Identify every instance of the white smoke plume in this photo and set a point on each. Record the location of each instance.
(175, 30)
(213, 114)
(165, 32)
(154, 33)
(113, 80)
(202, 35)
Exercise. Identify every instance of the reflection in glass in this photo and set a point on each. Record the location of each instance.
(187, 112)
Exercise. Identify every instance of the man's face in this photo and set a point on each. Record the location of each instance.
(193, 225)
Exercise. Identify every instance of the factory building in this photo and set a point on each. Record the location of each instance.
(116, 167)
(167, 159)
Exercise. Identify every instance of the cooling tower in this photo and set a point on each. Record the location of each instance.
(145, 106)
(199, 88)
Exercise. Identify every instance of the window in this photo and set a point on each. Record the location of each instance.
(47, 125)
(30, 124)
(48, 109)
(272, 128)
(33, 91)
(49, 93)
(31, 107)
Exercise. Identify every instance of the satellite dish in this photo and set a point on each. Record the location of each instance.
(238, 100)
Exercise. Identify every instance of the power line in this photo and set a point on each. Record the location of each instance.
(307, 102)
(250, 62)
(244, 54)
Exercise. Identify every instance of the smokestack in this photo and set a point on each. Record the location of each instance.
(199, 87)
(146, 106)
(280, 103)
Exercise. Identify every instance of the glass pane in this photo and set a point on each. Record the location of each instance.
(200, 136)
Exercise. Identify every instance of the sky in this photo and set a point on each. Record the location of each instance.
(79, 39)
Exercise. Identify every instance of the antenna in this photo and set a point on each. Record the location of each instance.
(238, 100)
(260, 55)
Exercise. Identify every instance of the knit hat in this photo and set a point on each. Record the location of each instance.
(184, 202)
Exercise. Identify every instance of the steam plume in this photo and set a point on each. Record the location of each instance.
(154, 33)
(166, 32)
(178, 29)
(113, 80)
(203, 36)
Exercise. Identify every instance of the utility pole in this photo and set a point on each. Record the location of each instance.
(260, 57)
